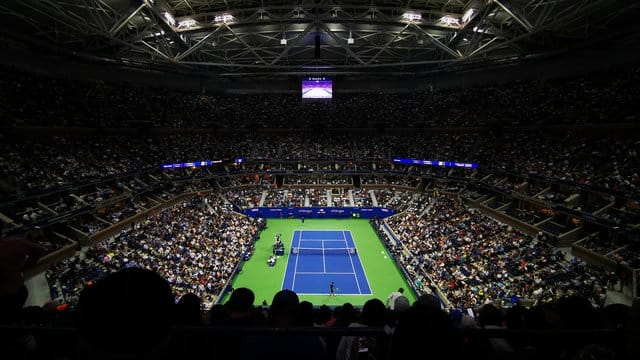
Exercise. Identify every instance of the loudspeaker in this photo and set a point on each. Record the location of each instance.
(317, 44)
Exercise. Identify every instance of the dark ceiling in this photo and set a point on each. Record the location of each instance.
(302, 36)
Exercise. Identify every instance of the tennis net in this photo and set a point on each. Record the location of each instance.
(322, 251)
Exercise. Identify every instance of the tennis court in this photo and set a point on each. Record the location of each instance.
(318, 257)
(382, 275)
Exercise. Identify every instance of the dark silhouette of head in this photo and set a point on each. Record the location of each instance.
(241, 301)
(323, 315)
(489, 314)
(129, 311)
(577, 312)
(188, 310)
(373, 313)
(306, 314)
(345, 315)
(401, 304)
(285, 308)
(427, 300)
(218, 315)
(241, 308)
(427, 326)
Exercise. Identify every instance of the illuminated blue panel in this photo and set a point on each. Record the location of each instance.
(435, 163)
(191, 164)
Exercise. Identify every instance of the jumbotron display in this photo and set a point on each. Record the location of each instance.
(317, 87)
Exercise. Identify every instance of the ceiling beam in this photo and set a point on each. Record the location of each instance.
(125, 20)
(197, 45)
(520, 19)
(385, 46)
(341, 43)
(249, 47)
(438, 43)
(293, 42)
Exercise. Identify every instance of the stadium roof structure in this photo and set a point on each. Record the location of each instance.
(302, 36)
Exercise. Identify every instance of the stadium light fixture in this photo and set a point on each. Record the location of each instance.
(350, 38)
(411, 16)
(170, 20)
(479, 30)
(187, 23)
(223, 19)
(468, 15)
(450, 20)
(283, 41)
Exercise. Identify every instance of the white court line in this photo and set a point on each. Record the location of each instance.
(293, 236)
(352, 266)
(322, 240)
(295, 270)
(325, 273)
(336, 230)
(344, 241)
(325, 294)
(309, 230)
(366, 278)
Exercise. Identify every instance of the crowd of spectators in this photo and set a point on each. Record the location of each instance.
(362, 197)
(296, 197)
(474, 259)
(620, 216)
(528, 216)
(34, 100)
(596, 244)
(34, 163)
(317, 197)
(194, 244)
(469, 257)
(245, 198)
(628, 255)
(275, 198)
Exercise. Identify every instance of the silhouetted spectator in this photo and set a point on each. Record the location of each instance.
(218, 315)
(366, 347)
(241, 309)
(285, 313)
(188, 310)
(427, 328)
(128, 313)
(306, 314)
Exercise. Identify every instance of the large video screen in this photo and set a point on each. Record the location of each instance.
(318, 87)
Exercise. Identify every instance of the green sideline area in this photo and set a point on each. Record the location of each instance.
(381, 271)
